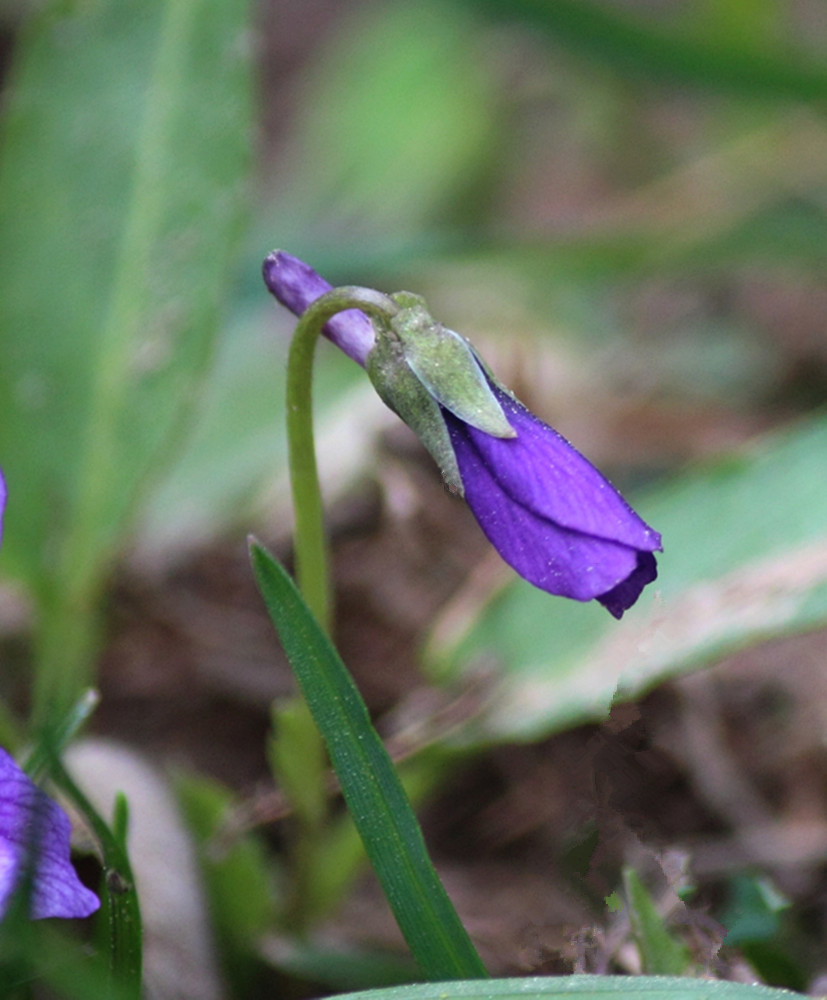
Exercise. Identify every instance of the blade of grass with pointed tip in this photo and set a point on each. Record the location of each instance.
(374, 795)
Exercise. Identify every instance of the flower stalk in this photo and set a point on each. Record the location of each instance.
(309, 539)
(295, 730)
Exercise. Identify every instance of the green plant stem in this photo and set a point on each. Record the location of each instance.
(310, 543)
(120, 899)
(312, 574)
(51, 742)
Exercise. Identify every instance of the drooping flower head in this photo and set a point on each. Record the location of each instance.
(546, 509)
(34, 850)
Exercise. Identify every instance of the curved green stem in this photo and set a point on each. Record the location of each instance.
(296, 734)
(310, 542)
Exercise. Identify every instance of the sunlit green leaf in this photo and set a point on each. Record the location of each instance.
(397, 117)
(583, 987)
(121, 185)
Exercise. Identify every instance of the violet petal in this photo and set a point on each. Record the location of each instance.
(551, 515)
(2, 502)
(623, 596)
(30, 820)
(296, 285)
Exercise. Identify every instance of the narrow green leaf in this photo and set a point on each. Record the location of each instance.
(119, 903)
(583, 987)
(62, 731)
(42, 953)
(372, 790)
(299, 765)
(660, 953)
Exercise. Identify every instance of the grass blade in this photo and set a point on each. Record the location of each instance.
(372, 790)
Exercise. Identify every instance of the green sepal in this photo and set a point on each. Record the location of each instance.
(446, 364)
(400, 389)
(418, 365)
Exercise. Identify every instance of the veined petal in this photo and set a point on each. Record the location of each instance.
(551, 515)
(541, 472)
(34, 835)
(552, 557)
(2, 502)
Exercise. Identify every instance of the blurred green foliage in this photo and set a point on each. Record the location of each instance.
(759, 923)
(661, 952)
(239, 876)
(123, 166)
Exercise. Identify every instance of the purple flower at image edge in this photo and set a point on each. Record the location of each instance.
(547, 510)
(35, 841)
(2, 502)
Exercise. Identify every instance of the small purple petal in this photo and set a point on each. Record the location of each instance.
(296, 286)
(2, 502)
(623, 596)
(31, 821)
(550, 514)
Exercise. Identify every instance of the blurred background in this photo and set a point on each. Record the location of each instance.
(623, 204)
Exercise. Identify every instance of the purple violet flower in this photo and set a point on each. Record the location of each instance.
(545, 508)
(31, 822)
